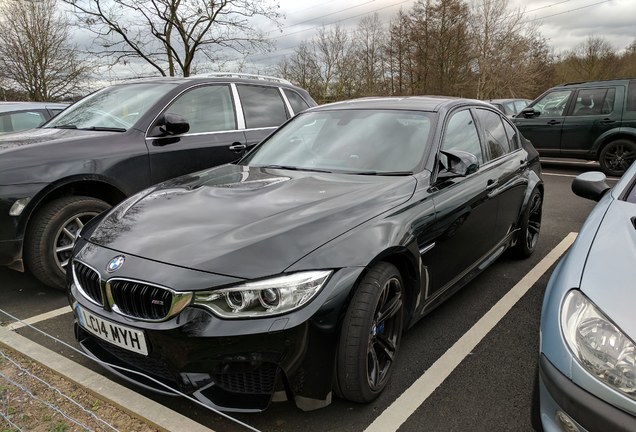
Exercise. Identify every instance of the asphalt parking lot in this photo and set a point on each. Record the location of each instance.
(473, 383)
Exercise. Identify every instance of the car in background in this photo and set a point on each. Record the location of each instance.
(117, 141)
(587, 360)
(293, 272)
(510, 107)
(17, 116)
(593, 120)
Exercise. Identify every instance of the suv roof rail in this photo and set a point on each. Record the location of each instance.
(595, 81)
(240, 75)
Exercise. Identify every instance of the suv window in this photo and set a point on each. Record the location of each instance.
(461, 134)
(262, 106)
(297, 103)
(553, 104)
(631, 96)
(594, 101)
(494, 132)
(513, 136)
(207, 109)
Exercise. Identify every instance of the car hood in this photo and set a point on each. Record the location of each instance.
(246, 222)
(610, 269)
(14, 140)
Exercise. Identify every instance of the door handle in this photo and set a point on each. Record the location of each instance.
(553, 122)
(237, 147)
(607, 121)
(492, 183)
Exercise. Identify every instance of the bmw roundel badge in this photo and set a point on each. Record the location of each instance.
(115, 264)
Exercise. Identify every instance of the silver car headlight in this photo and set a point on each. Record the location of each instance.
(600, 347)
(266, 297)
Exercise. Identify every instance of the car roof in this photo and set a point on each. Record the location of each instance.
(214, 77)
(599, 82)
(508, 100)
(416, 103)
(21, 106)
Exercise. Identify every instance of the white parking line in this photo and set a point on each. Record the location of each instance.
(573, 176)
(36, 319)
(401, 409)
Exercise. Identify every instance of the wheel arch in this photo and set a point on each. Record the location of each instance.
(92, 186)
(613, 135)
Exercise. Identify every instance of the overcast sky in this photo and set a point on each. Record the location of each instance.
(565, 23)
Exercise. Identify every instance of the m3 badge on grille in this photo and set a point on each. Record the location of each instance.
(115, 264)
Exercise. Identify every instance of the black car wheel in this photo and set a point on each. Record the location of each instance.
(52, 234)
(371, 334)
(617, 156)
(530, 226)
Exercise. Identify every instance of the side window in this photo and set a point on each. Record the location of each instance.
(553, 104)
(263, 106)
(296, 101)
(519, 105)
(21, 121)
(207, 109)
(461, 134)
(513, 136)
(594, 101)
(631, 96)
(494, 132)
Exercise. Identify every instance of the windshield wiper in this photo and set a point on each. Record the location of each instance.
(293, 168)
(64, 126)
(103, 128)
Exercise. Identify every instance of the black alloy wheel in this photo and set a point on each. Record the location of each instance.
(371, 334)
(617, 156)
(52, 234)
(530, 226)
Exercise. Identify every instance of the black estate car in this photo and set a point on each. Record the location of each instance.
(589, 120)
(117, 141)
(294, 271)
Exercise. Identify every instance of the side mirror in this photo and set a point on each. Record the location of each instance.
(460, 164)
(170, 124)
(528, 112)
(590, 185)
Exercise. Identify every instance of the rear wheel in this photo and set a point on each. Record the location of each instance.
(530, 226)
(52, 234)
(370, 335)
(617, 156)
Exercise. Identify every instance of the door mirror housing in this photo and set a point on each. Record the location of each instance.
(529, 112)
(460, 164)
(169, 124)
(591, 185)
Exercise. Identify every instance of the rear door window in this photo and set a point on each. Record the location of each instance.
(494, 133)
(263, 107)
(595, 101)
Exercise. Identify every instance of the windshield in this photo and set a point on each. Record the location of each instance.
(113, 108)
(351, 141)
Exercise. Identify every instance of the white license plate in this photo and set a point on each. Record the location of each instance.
(122, 336)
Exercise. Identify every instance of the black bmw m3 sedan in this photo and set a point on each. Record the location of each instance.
(292, 273)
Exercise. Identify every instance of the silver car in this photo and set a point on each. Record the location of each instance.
(17, 116)
(587, 371)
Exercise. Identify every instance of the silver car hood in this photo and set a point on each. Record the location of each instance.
(609, 277)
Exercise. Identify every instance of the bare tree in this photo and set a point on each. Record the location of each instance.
(168, 34)
(370, 39)
(594, 59)
(35, 53)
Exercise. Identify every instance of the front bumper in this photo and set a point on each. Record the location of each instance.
(233, 365)
(586, 411)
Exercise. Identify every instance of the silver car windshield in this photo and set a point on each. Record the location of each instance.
(374, 142)
(113, 108)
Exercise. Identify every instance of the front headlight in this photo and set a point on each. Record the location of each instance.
(265, 297)
(600, 346)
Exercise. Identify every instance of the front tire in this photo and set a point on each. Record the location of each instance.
(617, 156)
(370, 335)
(52, 234)
(530, 226)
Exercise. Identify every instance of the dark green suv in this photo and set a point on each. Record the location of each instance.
(590, 120)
